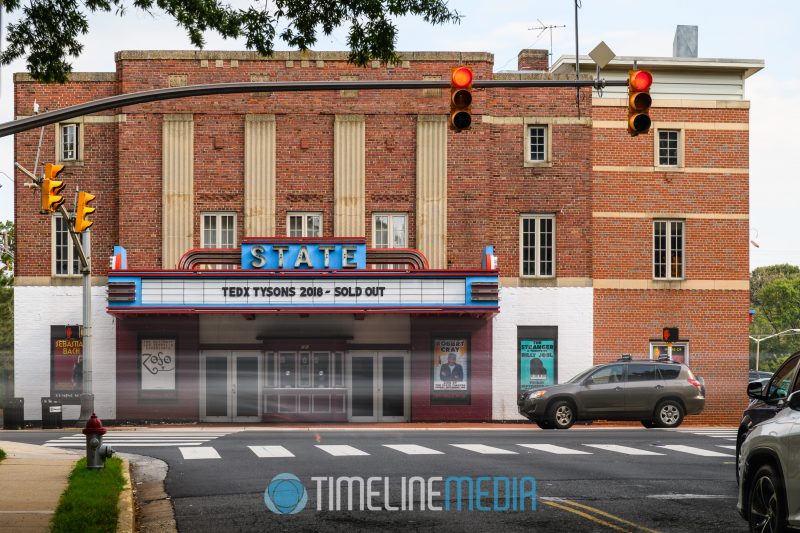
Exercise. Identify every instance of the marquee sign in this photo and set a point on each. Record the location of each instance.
(310, 254)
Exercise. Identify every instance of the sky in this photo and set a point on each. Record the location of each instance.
(737, 29)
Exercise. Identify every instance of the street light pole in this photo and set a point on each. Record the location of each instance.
(757, 340)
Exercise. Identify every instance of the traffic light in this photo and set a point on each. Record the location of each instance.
(639, 101)
(460, 98)
(82, 211)
(670, 335)
(51, 200)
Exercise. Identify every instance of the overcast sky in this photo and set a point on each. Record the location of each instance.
(727, 29)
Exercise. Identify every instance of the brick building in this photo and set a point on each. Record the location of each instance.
(600, 239)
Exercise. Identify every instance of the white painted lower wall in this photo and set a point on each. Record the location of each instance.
(568, 308)
(35, 310)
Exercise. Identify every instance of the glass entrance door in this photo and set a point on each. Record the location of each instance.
(230, 386)
(380, 387)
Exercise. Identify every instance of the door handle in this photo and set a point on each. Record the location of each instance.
(233, 388)
(659, 387)
(617, 388)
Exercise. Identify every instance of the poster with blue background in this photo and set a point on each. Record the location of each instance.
(537, 363)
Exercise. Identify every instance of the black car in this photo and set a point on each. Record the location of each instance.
(769, 398)
(756, 375)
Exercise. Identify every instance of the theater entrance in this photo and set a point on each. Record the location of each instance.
(380, 386)
(230, 386)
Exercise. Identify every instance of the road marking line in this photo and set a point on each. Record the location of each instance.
(486, 450)
(727, 446)
(584, 515)
(693, 451)
(203, 452)
(552, 448)
(602, 513)
(122, 444)
(270, 451)
(691, 497)
(413, 449)
(622, 449)
(340, 450)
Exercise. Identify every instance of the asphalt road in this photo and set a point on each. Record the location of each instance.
(624, 479)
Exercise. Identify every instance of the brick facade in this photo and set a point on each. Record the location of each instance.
(601, 186)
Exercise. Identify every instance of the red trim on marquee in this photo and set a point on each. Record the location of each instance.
(256, 273)
(303, 240)
(167, 310)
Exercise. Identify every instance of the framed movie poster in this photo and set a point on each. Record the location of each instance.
(157, 358)
(66, 364)
(450, 379)
(537, 363)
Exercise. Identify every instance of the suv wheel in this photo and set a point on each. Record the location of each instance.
(766, 508)
(669, 414)
(544, 424)
(562, 415)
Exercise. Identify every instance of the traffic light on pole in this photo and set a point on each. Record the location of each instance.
(639, 101)
(51, 200)
(460, 98)
(82, 211)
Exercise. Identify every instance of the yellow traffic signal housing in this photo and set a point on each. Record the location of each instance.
(639, 101)
(460, 98)
(51, 200)
(82, 211)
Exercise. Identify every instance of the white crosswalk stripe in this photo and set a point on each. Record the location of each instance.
(413, 449)
(627, 450)
(201, 452)
(693, 451)
(340, 450)
(728, 446)
(142, 438)
(552, 448)
(271, 451)
(483, 449)
(723, 433)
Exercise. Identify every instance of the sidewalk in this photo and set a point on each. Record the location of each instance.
(32, 479)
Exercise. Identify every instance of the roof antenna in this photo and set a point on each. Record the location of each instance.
(544, 27)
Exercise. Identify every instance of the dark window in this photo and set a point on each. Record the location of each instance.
(780, 385)
(669, 371)
(608, 374)
(668, 148)
(642, 372)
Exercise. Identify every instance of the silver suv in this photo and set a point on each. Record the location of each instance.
(769, 470)
(657, 393)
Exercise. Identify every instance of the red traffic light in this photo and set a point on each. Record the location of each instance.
(641, 80)
(461, 77)
(670, 335)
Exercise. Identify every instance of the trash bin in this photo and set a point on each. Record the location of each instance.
(51, 414)
(14, 413)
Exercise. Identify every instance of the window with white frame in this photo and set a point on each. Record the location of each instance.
(669, 148)
(668, 249)
(66, 260)
(679, 351)
(390, 230)
(537, 144)
(68, 142)
(537, 245)
(304, 224)
(219, 230)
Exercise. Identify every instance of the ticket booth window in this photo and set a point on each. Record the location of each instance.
(679, 351)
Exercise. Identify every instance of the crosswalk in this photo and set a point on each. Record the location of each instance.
(143, 438)
(346, 450)
(719, 433)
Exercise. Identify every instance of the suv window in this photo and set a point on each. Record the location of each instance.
(781, 383)
(642, 372)
(669, 371)
(608, 374)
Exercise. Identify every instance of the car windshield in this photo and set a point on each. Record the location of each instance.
(583, 374)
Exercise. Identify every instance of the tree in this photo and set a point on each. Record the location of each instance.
(47, 31)
(763, 275)
(6, 303)
(775, 296)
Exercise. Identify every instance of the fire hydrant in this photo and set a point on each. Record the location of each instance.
(96, 451)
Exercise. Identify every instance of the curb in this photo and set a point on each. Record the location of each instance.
(126, 522)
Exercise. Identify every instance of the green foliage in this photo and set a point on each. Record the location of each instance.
(775, 296)
(6, 302)
(2, 455)
(90, 502)
(47, 32)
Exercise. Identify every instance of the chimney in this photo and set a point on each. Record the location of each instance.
(685, 43)
(533, 60)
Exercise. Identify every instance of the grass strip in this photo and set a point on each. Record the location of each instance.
(2, 455)
(90, 502)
